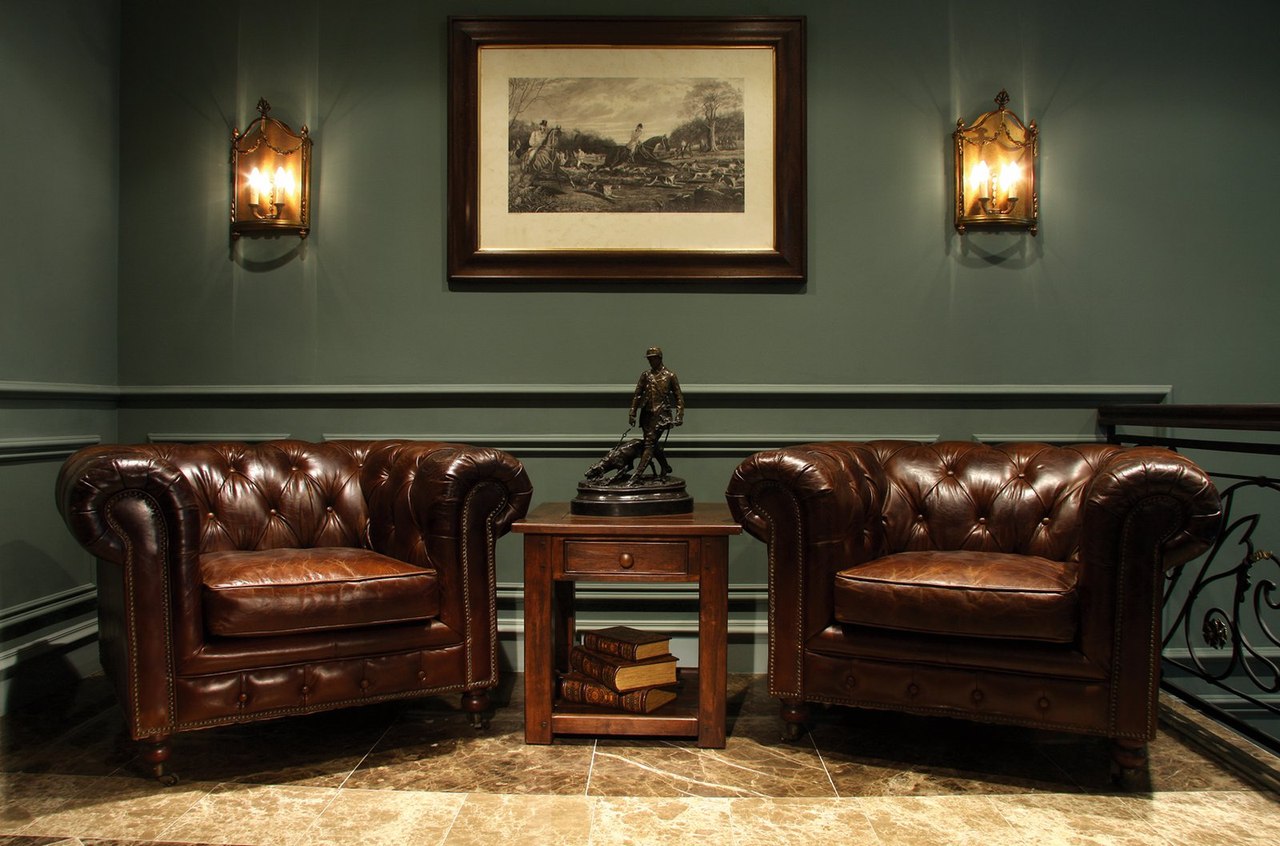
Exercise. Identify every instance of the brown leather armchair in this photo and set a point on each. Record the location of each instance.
(246, 582)
(1014, 584)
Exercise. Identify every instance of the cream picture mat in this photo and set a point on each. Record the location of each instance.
(749, 230)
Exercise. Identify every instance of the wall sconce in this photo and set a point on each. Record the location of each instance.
(270, 178)
(996, 171)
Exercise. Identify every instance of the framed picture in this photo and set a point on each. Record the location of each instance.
(626, 149)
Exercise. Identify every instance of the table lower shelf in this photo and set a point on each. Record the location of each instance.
(678, 718)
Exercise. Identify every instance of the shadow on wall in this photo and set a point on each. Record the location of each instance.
(42, 674)
(1011, 250)
(47, 645)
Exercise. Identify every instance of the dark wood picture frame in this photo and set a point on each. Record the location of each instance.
(784, 260)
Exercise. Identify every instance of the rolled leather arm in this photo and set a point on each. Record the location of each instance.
(812, 504)
(444, 506)
(830, 484)
(1154, 479)
(422, 496)
(1147, 510)
(95, 477)
(134, 510)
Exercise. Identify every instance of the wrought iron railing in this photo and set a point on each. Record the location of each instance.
(1222, 613)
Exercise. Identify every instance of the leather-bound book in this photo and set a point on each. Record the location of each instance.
(578, 688)
(627, 643)
(622, 675)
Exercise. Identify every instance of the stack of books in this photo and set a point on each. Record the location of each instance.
(621, 668)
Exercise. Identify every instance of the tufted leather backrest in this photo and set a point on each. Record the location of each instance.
(277, 495)
(1024, 499)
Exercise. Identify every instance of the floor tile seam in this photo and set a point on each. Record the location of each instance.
(1053, 762)
(366, 755)
(682, 778)
(216, 786)
(1149, 833)
(457, 812)
(835, 791)
(591, 766)
(848, 801)
(723, 759)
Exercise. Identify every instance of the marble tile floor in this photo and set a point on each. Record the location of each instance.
(416, 773)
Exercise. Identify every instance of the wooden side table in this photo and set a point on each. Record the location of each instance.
(560, 549)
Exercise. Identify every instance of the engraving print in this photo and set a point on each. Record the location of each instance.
(590, 144)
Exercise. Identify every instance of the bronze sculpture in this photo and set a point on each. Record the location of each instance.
(657, 406)
(660, 402)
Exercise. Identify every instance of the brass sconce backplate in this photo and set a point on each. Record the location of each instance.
(270, 178)
(995, 166)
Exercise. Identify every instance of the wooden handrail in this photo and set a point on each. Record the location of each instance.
(1263, 417)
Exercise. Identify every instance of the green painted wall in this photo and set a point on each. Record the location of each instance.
(1153, 265)
(1152, 278)
(59, 63)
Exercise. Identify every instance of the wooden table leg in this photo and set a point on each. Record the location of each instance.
(713, 642)
(538, 648)
(565, 622)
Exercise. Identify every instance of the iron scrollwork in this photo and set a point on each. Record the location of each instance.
(1244, 627)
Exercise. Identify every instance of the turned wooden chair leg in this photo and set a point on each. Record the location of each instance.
(794, 717)
(1127, 757)
(156, 751)
(476, 704)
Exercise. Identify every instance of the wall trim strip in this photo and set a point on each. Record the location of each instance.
(69, 636)
(57, 390)
(46, 605)
(792, 391)
(706, 445)
(207, 437)
(43, 448)
(753, 390)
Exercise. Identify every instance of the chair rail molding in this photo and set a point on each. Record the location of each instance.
(44, 448)
(902, 393)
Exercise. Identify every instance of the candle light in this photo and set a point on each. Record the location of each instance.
(255, 179)
(284, 185)
(982, 180)
(1009, 176)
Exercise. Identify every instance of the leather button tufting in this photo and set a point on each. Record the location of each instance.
(977, 696)
(850, 682)
(305, 690)
(1043, 704)
(913, 689)
(364, 684)
(242, 698)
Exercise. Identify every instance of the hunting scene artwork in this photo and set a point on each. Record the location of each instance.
(590, 144)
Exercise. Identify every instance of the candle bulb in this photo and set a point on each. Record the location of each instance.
(982, 180)
(255, 178)
(1009, 176)
(284, 185)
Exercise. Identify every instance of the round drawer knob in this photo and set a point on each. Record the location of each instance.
(626, 560)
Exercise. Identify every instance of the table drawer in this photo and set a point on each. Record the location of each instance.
(636, 557)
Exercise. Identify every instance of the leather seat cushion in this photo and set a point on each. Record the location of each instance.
(971, 594)
(293, 591)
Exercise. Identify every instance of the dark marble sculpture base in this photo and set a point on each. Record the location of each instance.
(649, 498)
